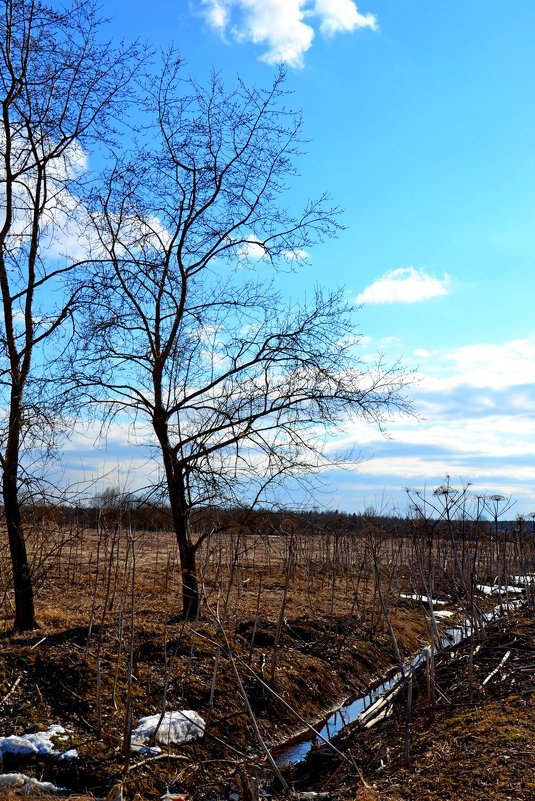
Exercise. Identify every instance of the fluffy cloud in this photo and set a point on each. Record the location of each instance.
(474, 421)
(342, 15)
(251, 250)
(286, 27)
(298, 255)
(490, 366)
(404, 285)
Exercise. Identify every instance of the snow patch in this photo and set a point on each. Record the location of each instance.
(167, 796)
(175, 727)
(37, 743)
(494, 589)
(67, 756)
(25, 784)
(423, 598)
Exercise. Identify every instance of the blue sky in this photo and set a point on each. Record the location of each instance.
(421, 121)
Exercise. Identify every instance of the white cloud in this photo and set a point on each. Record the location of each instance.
(342, 15)
(295, 255)
(62, 212)
(475, 422)
(487, 451)
(495, 366)
(286, 27)
(404, 285)
(492, 365)
(251, 250)
(216, 13)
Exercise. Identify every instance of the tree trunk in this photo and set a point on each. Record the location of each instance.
(22, 582)
(190, 586)
(187, 549)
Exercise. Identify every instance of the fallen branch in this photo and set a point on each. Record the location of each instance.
(11, 689)
(493, 673)
(380, 708)
(136, 765)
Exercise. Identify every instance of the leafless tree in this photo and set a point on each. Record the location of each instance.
(185, 332)
(61, 87)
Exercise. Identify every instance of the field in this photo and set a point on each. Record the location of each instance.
(299, 613)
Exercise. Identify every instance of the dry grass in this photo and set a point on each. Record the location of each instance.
(307, 601)
(464, 751)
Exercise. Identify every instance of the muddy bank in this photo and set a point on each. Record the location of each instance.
(368, 707)
(79, 679)
(476, 741)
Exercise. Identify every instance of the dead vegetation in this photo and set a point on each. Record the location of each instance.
(460, 750)
(293, 621)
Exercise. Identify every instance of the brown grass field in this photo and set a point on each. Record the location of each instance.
(293, 621)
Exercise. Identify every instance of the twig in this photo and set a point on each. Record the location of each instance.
(267, 687)
(408, 715)
(155, 759)
(445, 697)
(493, 673)
(311, 728)
(12, 688)
(252, 718)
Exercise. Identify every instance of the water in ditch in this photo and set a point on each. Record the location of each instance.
(297, 749)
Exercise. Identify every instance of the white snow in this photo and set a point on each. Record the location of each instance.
(423, 598)
(176, 727)
(16, 745)
(494, 589)
(72, 753)
(26, 784)
(167, 796)
(444, 613)
(145, 750)
(38, 743)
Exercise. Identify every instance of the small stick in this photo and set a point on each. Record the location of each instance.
(504, 660)
(408, 714)
(14, 687)
(147, 761)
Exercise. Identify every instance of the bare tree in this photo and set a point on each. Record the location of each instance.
(185, 332)
(60, 90)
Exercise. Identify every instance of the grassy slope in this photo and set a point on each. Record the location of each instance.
(483, 750)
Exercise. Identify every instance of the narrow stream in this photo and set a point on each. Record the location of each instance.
(297, 749)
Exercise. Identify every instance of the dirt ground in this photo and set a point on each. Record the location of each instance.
(107, 602)
(279, 641)
(477, 744)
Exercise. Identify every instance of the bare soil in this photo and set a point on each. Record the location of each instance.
(303, 628)
(477, 743)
